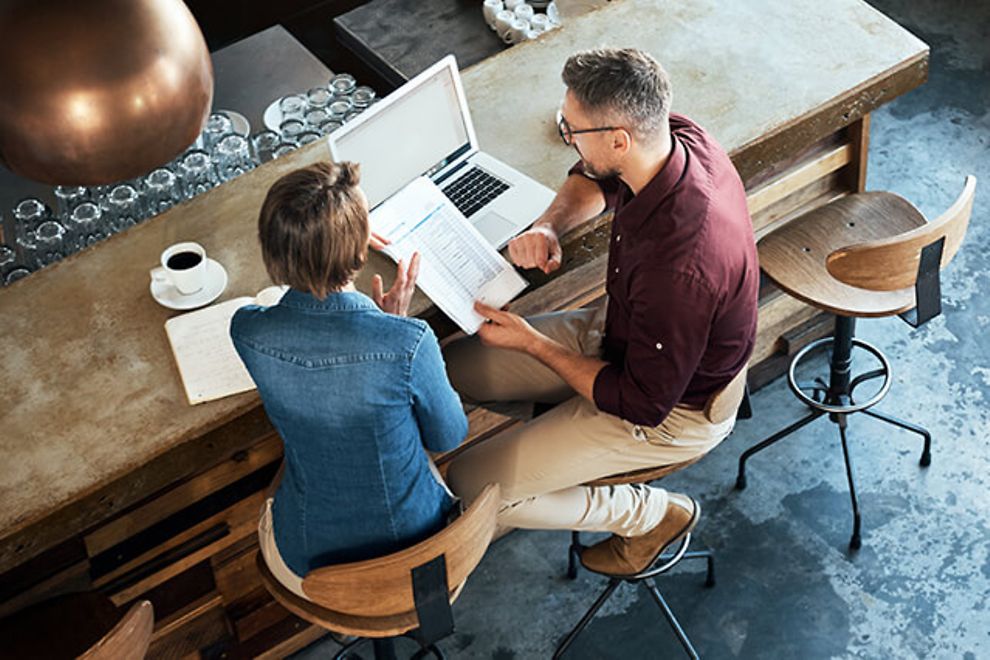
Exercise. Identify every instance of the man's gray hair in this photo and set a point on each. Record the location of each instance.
(625, 83)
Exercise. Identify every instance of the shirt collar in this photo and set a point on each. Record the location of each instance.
(337, 301)
(642, 205)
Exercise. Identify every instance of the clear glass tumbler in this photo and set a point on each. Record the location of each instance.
(293, 106)
(318, 97)
(217, 125)
(197, 173)
(86, 226)
(68, 197)
(50, 243)
(263, 145)
(290, 129)
(342, 84)
(161, 190)
(122, 207)
(233, 157)
(363, 97)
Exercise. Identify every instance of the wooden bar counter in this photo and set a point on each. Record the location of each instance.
(111, 481)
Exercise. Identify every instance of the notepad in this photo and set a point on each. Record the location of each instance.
(204, 353)
(457, 265)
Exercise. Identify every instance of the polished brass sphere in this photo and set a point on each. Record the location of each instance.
(97, 91)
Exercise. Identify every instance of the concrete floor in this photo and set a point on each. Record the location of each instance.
(787, 585)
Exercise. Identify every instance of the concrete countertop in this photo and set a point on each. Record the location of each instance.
(90, 388)
(741, 69)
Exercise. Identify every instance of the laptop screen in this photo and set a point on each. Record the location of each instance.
(414, 134)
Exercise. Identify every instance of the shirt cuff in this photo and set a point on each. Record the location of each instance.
(606, 390)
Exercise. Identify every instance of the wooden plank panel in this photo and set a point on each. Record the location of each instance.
(240, 520)
(777, 315)
(795, 179)
(186, 459)
(817, 193)
(239, 465)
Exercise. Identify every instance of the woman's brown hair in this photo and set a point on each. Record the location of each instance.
(313, 228)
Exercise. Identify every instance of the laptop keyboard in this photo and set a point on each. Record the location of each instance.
(475, 189)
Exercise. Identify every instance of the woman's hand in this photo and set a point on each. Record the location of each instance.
(377, 241)
(396, 301)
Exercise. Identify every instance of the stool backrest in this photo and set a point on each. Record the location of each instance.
(891, 264)
(129, 639)
(383, 586)
(723, 404)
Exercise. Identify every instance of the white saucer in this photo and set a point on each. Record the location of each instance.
(168, 296)
(239, 122)
(273, 116)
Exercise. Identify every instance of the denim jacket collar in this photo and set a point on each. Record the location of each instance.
(338, 301)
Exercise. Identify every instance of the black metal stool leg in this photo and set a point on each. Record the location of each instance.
(710, 557)
(384, 648)
(428, 650)
(855, 541)
(573, 555)
(780, 435)
(926, 453)
(613, 583)
(671, 619)
(348, 648)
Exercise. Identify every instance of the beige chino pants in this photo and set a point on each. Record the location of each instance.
(542, 464)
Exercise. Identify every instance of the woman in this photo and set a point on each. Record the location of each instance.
(355, 389)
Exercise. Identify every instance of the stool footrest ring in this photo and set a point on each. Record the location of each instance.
(838, 408)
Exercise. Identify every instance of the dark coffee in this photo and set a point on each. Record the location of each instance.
(184, 260)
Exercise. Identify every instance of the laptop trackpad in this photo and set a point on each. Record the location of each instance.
(493, 227)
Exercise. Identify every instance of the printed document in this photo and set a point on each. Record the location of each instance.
(457, 265)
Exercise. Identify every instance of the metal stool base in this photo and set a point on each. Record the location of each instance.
(836, 399)
(647, 579)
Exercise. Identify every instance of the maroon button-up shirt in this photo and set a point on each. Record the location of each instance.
(683, 280)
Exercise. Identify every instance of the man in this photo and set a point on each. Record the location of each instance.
(633, 376)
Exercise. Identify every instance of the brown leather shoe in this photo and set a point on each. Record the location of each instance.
(626, 556)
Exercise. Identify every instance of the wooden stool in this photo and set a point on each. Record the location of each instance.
(720, 407)
(864, 255)
(407, 593)
(84, 625)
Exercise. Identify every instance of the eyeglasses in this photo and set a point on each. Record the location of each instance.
(567, 133)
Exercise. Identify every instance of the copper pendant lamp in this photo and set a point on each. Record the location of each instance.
(97, 91)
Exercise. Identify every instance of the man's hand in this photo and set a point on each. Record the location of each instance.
(504, 329)
(537, 247)
(396, 301)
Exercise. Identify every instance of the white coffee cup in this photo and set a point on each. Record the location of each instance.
(517, 31)
(489, 9)
(183, 266)
(512, 4)
(503, 23)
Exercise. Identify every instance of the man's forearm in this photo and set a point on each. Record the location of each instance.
(577, 201)
(578, 371)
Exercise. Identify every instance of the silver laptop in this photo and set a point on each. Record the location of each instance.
(424, 128)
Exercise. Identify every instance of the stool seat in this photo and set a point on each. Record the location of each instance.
(796, 255)
(642, 476)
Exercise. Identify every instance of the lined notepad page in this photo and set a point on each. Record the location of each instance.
(208, 364)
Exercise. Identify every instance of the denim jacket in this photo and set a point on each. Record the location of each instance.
(356, 395)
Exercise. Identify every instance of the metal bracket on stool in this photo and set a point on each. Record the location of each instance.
(927, 287)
